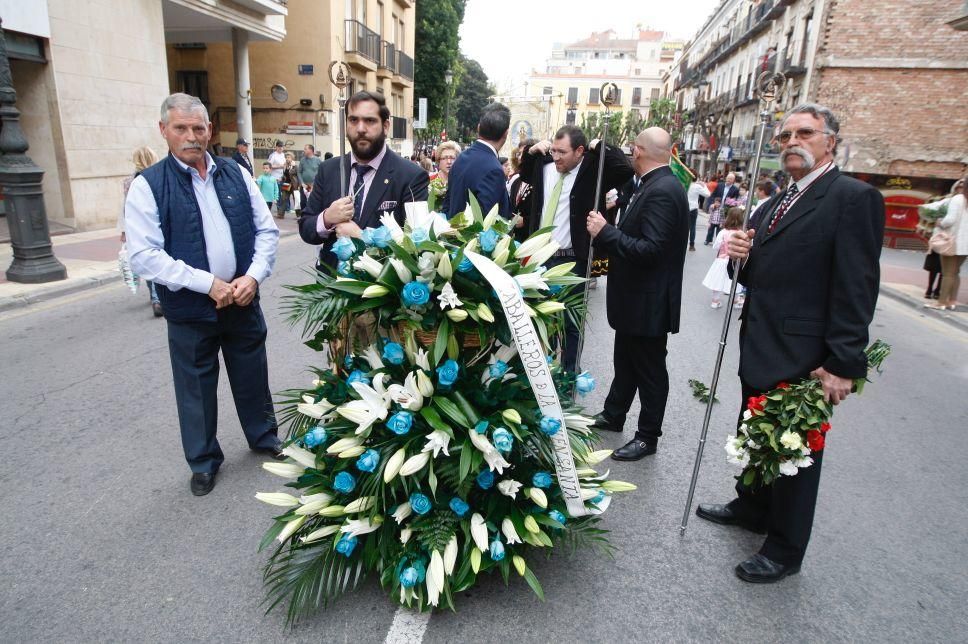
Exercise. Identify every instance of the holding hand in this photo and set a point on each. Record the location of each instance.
(835, 388)
(348, 229)
(594, 223)
(739, 243)
(339, 211)
(244, 289)
(222, 292)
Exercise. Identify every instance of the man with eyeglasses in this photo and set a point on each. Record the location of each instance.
(812, 274)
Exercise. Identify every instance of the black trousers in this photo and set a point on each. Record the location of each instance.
(569, 349)
(640, 365)
(693, 215)
(786, 507)
(240, 333)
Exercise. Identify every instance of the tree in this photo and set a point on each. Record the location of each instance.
(436, 50)
(662, 113)
(470, 96)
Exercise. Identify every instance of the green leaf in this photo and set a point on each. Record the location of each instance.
(432, 479)
(465, 461)
(440, 344)
(533, 582)
(271, 534)
(430, 246)
(466, 408)
(434, 420)
(475, 207)
(451, 410)
(748, 477)
(354, 287)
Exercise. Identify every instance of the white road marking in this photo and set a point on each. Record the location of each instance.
(408, 627)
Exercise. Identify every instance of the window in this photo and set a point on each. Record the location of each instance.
(401, 36)
(637, 96)
(572, 94)
(618, 96)
(546, 91)
(379, 25)
(570, 117)
(593, 96)
(655, 93)
(194, 83)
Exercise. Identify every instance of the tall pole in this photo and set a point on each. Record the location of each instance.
(243, 89)
(769, 86)
(21, 179)
(339, 75)
(448, 78)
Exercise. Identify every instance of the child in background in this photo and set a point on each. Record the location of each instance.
(268, 186)
(717, 278)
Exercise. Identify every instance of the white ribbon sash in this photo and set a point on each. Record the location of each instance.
(532, 354)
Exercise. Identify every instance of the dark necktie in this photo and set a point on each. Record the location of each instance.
(361, 171)
(784, 206)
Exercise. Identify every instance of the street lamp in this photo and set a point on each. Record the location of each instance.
(448, 78)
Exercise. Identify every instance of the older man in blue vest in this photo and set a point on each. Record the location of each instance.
(198, 227)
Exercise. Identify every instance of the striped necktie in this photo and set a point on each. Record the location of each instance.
(361, 171)
(784, 206)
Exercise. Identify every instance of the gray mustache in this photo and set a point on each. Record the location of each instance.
(808, 159)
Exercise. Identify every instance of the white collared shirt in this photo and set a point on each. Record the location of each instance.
(562, 220)
(324, 231)
(808, 180)
(146, 243)
(491, 147)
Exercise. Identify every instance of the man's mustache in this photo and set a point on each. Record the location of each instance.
(808, 159)
(191, 146)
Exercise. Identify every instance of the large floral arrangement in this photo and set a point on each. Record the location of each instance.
(421, 454)
(784, 426)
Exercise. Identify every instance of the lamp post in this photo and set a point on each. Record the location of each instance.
(448, 78)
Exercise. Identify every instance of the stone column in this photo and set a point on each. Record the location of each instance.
(20, 178)
(243, 90)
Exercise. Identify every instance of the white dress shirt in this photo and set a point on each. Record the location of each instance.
(146, 243)
(321, 228)
(696, 189)
(562, 220)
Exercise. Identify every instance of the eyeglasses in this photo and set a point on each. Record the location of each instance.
(802, 133)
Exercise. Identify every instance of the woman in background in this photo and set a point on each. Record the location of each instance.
(143, 158)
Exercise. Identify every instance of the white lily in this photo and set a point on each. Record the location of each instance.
(519, 564)
(509, 487)
(280, 499)
(450, 555)
(344, 444)
(531, 280)
(503, 245)
(424, 384)
(500, 257)
(316, 535)
(396, 232)
(402, 271)
(368, 264)
(302, 456)
(510, 533)
(531, 245)
(314, 409)
(371, 408)
(578, 421)
(560, 270)
(511, 415)
(437, 442)
(361, 504)
(619, 486)
(420, 216)
(538, 496)
(402, 512)
(549, 308)
(407, 395)
(332, 511)
(491, 217)
(543, 254)
(422, 360)
(444, 268)
(375, 290)
(435, 578)
(503, 353)
(285, 470)
(313, 507)
(448, 297)
(291, 527)
(414, 464)
(405, 535)
(596, 457)
(587, 494)
(356, 527)
(371, 355)
(484, 312)
(352, 452)
(531, 525)
(313, 498)
(457, 315)
(495, 461)
(425, 265)
(393, 465)
(479, 531)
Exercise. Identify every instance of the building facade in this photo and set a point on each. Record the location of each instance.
(899, 96)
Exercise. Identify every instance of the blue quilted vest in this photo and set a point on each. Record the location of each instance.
(181, 225)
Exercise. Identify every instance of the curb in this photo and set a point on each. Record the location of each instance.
(71, 286)
(957, 320)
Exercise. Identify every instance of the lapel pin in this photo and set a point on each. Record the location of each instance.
(385, 181)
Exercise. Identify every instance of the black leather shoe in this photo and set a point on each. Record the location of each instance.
(634, 450)
(603, 424)
(156, 309)
(202, 483)
(724, 515)
(760, 570)
(275, 451)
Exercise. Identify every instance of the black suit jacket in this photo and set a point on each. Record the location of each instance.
(647, 251)
(617, 171)
(812, 284)
(477, 170)
(243, 160)
(732, 193)
(396, 182)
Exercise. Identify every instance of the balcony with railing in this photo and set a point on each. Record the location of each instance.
(398, 127)
(405, 65)
(388, 61)
(794, 66)
(362, 41)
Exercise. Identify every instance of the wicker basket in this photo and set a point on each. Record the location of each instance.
(427, 338)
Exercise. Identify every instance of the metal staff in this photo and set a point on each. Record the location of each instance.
(769, 85)
(339, 75)
(607, 95)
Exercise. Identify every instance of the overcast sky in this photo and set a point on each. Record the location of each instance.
(509, 37)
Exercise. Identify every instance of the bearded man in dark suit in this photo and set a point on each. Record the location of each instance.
(646, 250)
(811, 273)
(379, 181)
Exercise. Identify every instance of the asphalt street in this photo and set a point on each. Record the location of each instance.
(102, 541)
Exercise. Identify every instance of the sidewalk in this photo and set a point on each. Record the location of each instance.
(91, 259)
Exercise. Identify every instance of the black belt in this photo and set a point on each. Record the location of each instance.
(565, 252)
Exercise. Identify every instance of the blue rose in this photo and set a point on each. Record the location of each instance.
(488, 240)
(415, 293)
(465, 265)
(459, 507)
(393, 353)
(549, 426)
(498, 369)
(344, 482)
(419, 235)
(502, 439)
(598, 498)
(419, 503)
(497, 550)
(542, 480)
(344, 248)
(408, 578)
(400, 423)
(346, 545)
(485, 480)
(314, 437)
(367, 236)
(481, 427)
(557, 516)
(584, 383)
(344, 268)
(421, 569)
(368, 460)
(447, 373)
(348, 362)
(382, 237)
(357, 376)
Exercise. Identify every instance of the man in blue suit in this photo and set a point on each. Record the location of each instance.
(477, 169)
